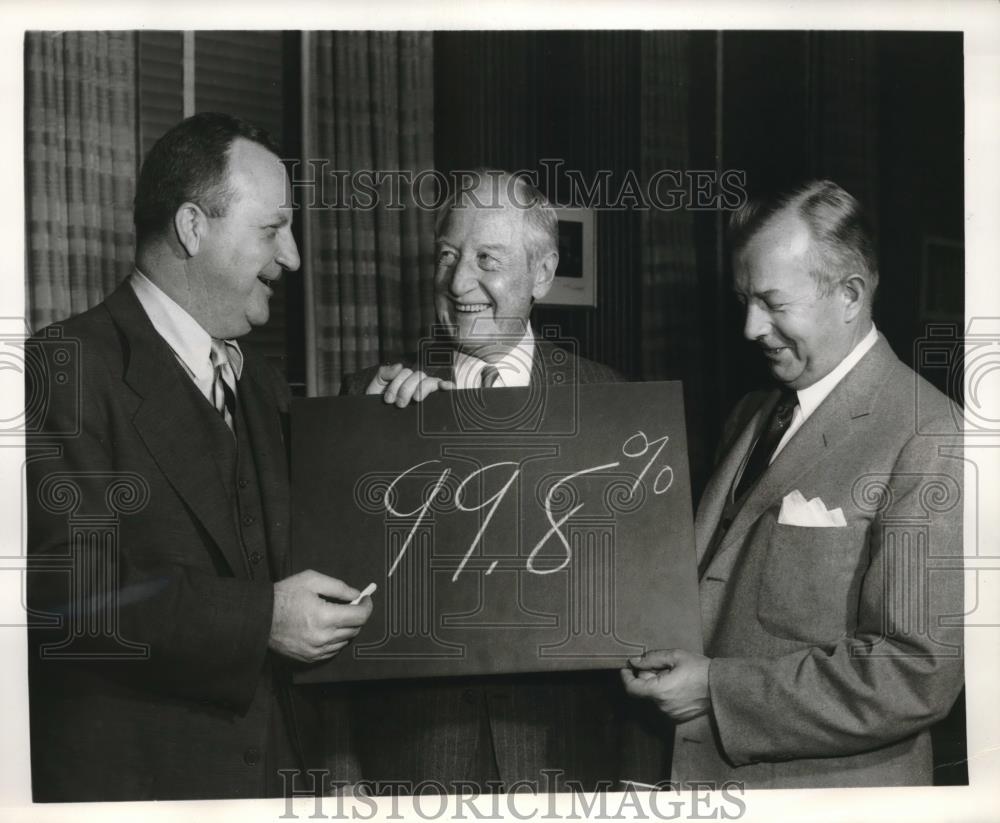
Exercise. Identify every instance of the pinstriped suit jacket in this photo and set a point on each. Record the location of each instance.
(441, 730)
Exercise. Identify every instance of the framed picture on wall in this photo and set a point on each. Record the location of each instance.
(575, 283)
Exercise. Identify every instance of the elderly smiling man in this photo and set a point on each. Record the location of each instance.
(496, 254)
(829, 536)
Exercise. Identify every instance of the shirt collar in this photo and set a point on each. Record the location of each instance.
(187, 339)
(811, 396)
(514, 367)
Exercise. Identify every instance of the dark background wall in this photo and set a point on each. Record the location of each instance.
(881, 113)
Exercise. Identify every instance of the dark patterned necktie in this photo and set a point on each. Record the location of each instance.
(763, 449)
(489, 376)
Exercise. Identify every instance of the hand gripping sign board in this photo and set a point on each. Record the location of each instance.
(508, 530)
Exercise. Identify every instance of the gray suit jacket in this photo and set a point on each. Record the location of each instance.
(834, 649)
(439, 730)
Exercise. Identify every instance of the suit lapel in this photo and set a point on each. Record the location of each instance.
(173, 426)
(829, 424)
(265, 435)
(717, 492)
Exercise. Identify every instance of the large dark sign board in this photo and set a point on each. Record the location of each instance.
(508, 530)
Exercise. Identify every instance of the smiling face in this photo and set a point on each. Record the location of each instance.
(483, 285)
(243, 253)
(803, 331)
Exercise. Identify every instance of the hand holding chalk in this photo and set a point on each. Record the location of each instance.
(369, 589)
(310, 619)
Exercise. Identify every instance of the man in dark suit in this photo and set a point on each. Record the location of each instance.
(829, 537)
(164, 624)
(496, 254)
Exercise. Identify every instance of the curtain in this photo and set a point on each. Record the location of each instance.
(669, 274)
(843, 88)
(672, 318)
(369, 289)
(80, 166)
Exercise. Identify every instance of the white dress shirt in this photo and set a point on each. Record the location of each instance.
(514, 367)
(811, 396)
(190, 343)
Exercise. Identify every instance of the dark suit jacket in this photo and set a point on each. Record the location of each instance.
(189, 718)
(834, 649)
(428, 730)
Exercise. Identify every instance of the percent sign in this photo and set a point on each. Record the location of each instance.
(644, 444)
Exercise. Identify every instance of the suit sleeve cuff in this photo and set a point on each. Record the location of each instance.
(727, 680)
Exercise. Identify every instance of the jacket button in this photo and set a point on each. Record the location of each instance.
(256, 557)
(243, 482)
(248, 520)
(251, 756)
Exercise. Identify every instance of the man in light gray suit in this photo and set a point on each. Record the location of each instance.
(829, 537)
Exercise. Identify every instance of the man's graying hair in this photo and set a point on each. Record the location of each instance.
(190, 163)
(842, 241)
(495, 188)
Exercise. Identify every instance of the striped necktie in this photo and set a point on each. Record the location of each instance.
(224, 384)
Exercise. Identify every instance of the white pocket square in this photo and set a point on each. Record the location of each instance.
(797, 511)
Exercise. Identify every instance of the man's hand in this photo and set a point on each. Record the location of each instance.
(676, 680)
(398, 384)
(307, 627)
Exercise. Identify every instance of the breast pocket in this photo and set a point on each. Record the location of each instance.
(810, 581)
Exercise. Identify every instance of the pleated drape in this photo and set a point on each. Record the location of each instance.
(370, 109)
(80, 167)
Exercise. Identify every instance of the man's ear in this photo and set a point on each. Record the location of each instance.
(191, 226)
(545, 271)
(855, 292)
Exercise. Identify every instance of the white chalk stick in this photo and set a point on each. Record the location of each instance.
(367, 590)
